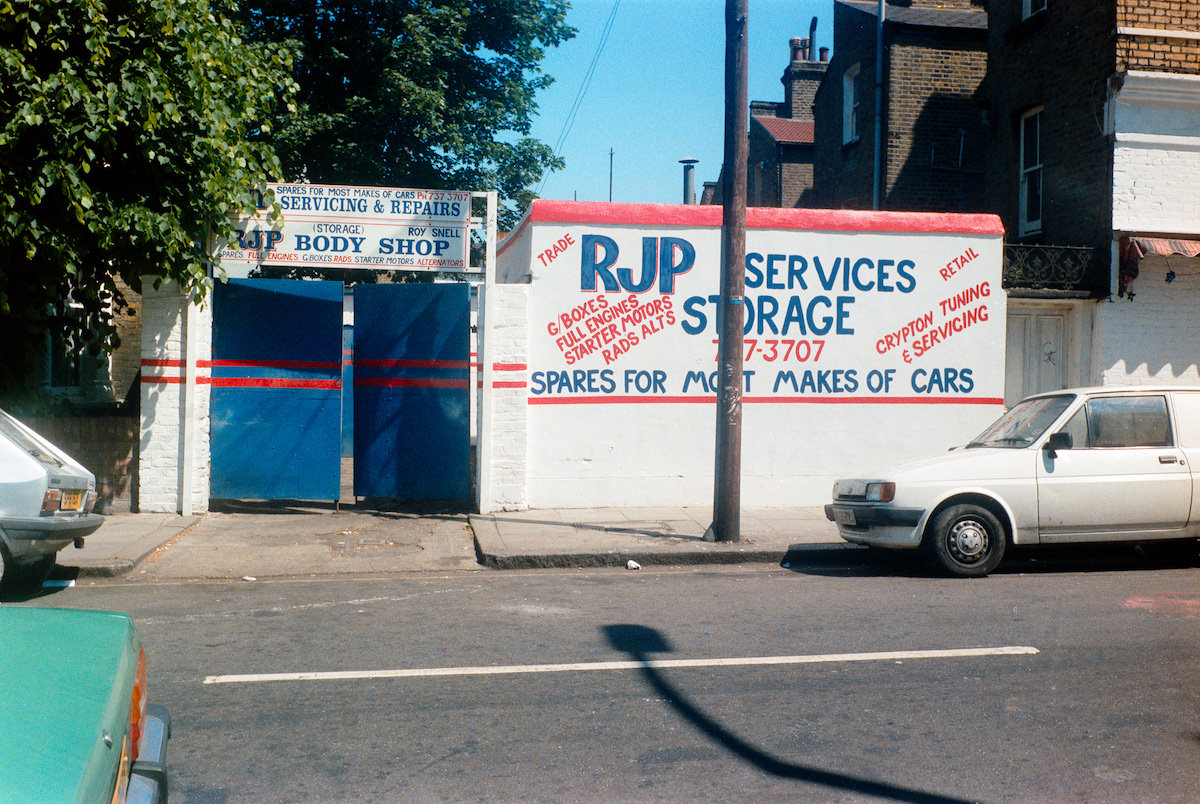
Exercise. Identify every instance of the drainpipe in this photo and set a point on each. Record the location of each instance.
(188, 456)
(877, 169)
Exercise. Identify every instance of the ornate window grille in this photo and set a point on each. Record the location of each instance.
(1047, 267)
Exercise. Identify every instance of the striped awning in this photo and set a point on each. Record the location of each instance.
(1164, 247)
(1133, 249)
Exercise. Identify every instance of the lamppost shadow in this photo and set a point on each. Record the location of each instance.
(639, 642)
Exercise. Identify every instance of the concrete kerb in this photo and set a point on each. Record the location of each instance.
(564, 550)
(605, 538)
(106, 569)
(128, 550)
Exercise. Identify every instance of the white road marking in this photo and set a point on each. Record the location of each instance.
(749, 661)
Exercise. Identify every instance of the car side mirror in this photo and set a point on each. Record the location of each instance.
(1057, 441)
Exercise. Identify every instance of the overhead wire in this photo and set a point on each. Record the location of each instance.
(569, 122)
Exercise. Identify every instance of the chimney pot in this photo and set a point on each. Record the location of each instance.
(824, 54)
(798, 47)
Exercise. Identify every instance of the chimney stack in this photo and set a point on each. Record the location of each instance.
(689, 185)
(802, 76)
(799, 48)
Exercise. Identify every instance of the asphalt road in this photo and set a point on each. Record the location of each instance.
(1071, 683)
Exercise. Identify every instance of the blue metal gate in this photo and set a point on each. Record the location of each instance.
(411, 391)
(276, 389)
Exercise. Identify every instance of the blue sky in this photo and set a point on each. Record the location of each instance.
(657, 93)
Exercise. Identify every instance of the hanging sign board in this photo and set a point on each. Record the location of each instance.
(329, 226)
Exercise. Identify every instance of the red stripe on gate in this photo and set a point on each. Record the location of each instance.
(410, 382)
(387, 363)
(278, 364)
(274, 382)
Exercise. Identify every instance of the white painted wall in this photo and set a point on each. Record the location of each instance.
(502, 427)
(161, 455)
(595, 438)
(1155, 335)
(1156, 155)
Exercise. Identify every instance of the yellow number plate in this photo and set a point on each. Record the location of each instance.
(72, 501)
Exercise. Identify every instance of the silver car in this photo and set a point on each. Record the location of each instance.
(1098, 464)
(46, 502)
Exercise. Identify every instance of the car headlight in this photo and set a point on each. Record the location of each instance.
(881, 492)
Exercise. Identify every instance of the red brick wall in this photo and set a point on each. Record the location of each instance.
(106, 445)
(1166, 54)
(800, 81)
(935, 134)
(126, 359)
(842, 172)
(762, 179)
(796, 179)
(932, 99)
(1060, 59)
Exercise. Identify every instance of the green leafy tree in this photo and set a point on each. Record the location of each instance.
(416, 93)
(129, 129)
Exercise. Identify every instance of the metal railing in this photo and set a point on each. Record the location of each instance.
(1036, 267)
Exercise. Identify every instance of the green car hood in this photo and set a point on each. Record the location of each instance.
(66, 678)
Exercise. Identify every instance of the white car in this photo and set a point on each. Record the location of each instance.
(46, 502)
(1082, 465)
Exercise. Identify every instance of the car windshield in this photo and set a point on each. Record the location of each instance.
(9, 429)
(1024, 423)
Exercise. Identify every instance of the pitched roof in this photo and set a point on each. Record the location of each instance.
(787, 131)
(926, 16)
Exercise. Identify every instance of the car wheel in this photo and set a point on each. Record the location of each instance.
(966, 540)
(8, 570)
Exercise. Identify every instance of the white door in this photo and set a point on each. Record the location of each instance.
(1123, 478)
(1035, 354)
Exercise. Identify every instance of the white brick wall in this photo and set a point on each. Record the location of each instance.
(1155, 338)
(1156, 154)
(503, 425)
(1156, 185)
(160, 475)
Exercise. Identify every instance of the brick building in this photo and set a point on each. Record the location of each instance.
(1094, 109)
(933, 132)
(96, 421)
(780, 148)
(1078, 122)
(780, 172)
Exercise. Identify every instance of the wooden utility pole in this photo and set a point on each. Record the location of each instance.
(727, 496)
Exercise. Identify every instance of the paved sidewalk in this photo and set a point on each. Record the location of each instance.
(596, 537)
(124, 541)
(264, 540)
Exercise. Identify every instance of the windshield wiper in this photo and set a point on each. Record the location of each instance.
(998, 441)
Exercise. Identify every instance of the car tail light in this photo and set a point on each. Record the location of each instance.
(137, 707)
(90, 502)
(51, 501)
(881, 492)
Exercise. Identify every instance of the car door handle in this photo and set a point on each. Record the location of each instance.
(1167, 459)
